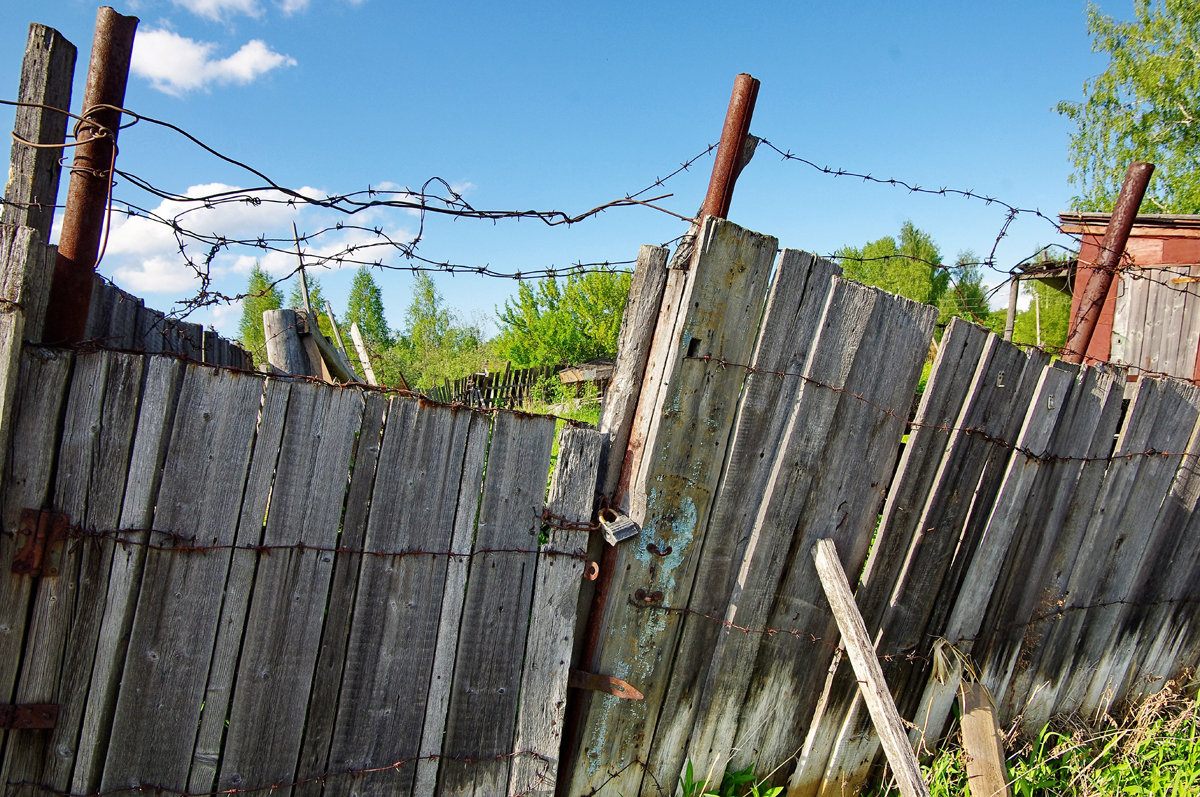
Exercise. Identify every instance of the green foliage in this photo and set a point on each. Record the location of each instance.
(1144, 106)
(365, 308)
(261, 295)
(550, 324)
(910, 266)
(964, 295)
(734, 783)
(434, 345)
(1052, 307)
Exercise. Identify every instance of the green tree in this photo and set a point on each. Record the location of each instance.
(261, 294)
(548, 323)
(365, 308)
(964, 296)
(434, 345)
(1144, 106)
(910, 266)
(1049, 313)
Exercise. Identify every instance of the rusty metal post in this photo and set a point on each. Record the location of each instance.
(1116, 235)
(729, 153)
(91, 174)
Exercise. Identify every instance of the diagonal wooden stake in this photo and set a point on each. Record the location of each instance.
(874, 689)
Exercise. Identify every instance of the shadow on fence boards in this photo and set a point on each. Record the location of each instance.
(219, 581)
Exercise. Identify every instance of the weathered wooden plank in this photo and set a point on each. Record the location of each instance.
(243, 562)
(32, 452)
(100, 310)
(12, 330)
(174, 628)
(287, 605)
(968, 479)
(872, 685)
(794, 309)
(192, 340)
(151, 331)
(26, 266)
(633, 349)
(67, 609)
(487, 671)
(838, 453)
(161, 391)
(983, 743)
(382, 707)
(1134, 487)
(124, 326)
(671, 491)
(364, 357)
(46, 74)
(559, 573)
(314, 750)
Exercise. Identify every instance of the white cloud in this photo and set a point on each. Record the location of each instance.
(217, 9)
(175, 64)
(290, 7)
(156, 275)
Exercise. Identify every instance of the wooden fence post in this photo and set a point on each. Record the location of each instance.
(285, 352)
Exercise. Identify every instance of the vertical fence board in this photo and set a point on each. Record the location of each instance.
(793, 311)
(287, 605)
(218, 690)
(314, 751)
(26, 266)
(487, 670)
(381, 710)
(163, 376)
(67, 609)
(171, 641)
(672, 491)
(552, 624)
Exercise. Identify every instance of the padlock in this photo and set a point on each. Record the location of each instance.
(617, 527)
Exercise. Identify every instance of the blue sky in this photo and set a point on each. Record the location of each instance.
(566, 106)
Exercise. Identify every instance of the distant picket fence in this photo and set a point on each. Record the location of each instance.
(512, 387)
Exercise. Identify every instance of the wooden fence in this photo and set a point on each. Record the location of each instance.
(512, 387)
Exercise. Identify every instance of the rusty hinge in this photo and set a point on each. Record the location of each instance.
(603, 683)
(31, 716)
(41, 552)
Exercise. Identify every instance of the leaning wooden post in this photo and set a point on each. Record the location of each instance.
(874, 689)
(361, 346)
(91, 176)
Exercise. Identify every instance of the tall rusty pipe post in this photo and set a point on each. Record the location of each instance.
(1116, 236)
(87, 194)
(729, 152)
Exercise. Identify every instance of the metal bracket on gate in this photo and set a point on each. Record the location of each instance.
(31, 716)
(578, 679)
(41, 552)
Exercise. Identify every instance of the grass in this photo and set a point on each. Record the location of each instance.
(1152, 748)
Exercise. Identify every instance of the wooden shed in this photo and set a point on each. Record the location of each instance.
(1151, 316)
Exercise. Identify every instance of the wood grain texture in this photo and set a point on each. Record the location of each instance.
(874, 689)
(26, 266)
(382, 706)
(46, 75)
(487, 671)
(793, 311)
(290, 588)
(67, 610)
(983, 743)
(322, 711)
(173, 632)
(542, 709)
(672, 491)
(155, 420)
(285, 351)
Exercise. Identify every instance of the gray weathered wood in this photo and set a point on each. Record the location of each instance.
(873, 687)
(287, 605)
(285, 351)
(559, 573)
(163, 376)
(27, 484)
(983, 743)
(364, 356)
(172, 637)
(314, 751)
(793, 310)
(382, 706)
(487, 670)
(672, 489)
(26, 266)
(46, 75)
(218, 690)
